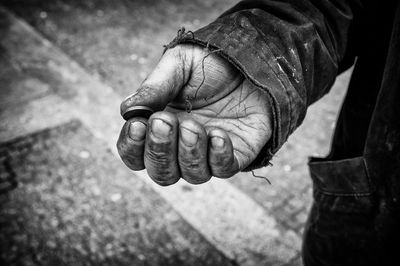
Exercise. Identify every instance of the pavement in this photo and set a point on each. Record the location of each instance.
(64, 68)
(67, 211)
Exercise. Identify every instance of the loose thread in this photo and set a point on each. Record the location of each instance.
(181, 34)
(262, 177)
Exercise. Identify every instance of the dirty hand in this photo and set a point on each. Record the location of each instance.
(212, 121)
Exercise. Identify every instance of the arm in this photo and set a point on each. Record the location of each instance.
(291, 49)
(280, 58)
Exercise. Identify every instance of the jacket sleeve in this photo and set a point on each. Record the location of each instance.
(290, 49)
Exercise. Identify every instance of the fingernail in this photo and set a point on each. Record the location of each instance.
(188, 137)
(137, 131)
(217, 142)
(160, 129)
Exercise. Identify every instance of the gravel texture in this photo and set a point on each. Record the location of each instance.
(76, 205)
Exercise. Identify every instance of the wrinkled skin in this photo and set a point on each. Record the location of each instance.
(228, 125)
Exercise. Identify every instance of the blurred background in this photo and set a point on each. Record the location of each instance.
(67, 199)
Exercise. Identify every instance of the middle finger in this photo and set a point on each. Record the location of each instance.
(160, 154)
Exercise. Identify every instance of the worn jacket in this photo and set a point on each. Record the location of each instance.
(294, 50)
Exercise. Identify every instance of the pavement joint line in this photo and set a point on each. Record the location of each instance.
(228, 218)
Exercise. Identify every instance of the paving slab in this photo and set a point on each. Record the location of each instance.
(121, 40)
(77, 205)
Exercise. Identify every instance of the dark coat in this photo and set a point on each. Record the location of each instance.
(294, 50)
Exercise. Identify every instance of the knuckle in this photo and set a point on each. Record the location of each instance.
(129, 149)
(193, 166)
(222, 167)
(223, 173)
(221, 161)
(191, 176)
(190, 157)
(160, 161)
(158, 156)
(132, 156)
(160, 175)
(195, 172)
(132, 162)
(165, 183)
(197, 181)
(160, 166)
(197, 177)
(187, 164)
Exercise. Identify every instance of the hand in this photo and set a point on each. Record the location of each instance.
(228, 123)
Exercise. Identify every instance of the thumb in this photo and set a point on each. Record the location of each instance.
(164, 83)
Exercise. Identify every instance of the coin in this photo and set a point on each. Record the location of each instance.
(137, 111)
